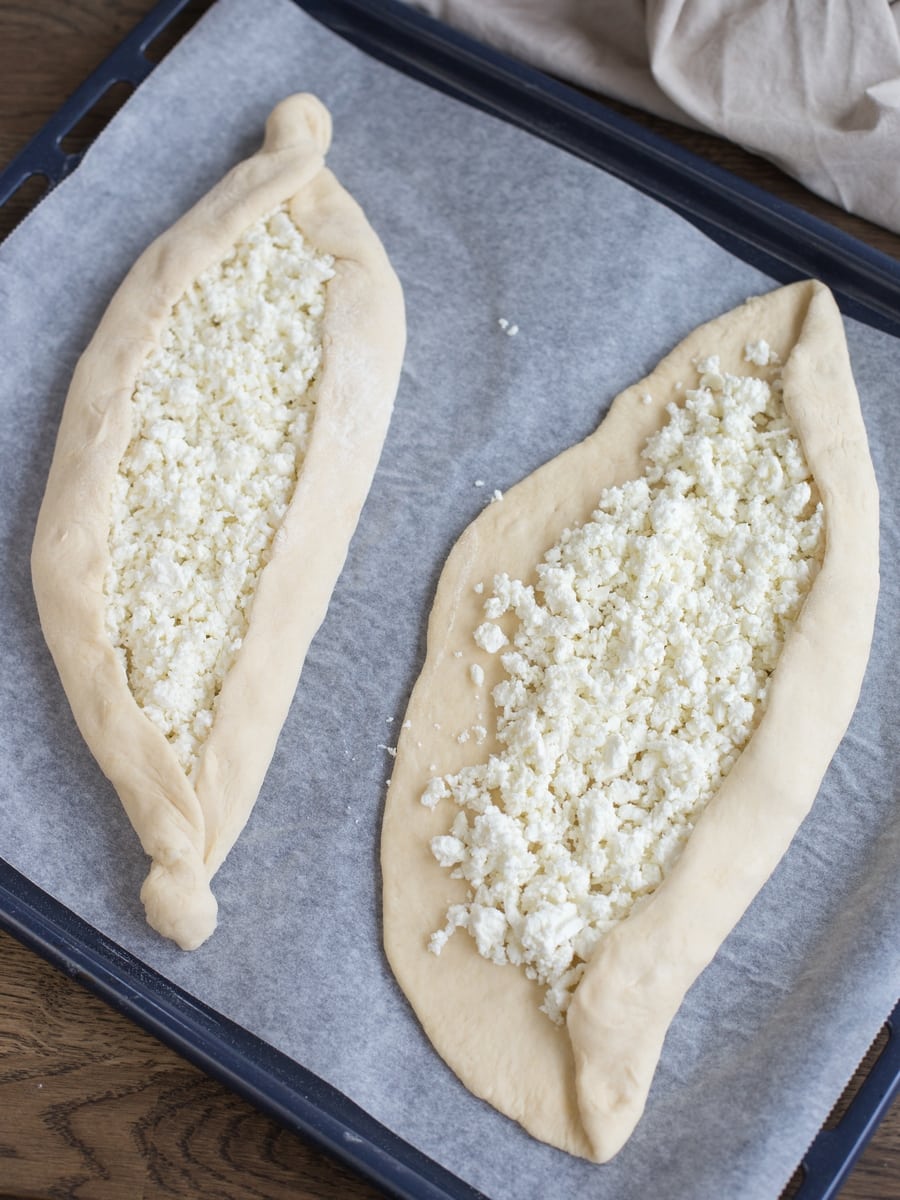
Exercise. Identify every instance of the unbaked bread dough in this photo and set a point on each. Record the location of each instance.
(582, 1086)
(188, 829)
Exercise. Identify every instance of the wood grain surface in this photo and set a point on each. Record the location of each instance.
(92, 1108)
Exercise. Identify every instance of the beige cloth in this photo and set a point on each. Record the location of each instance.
(814, 86)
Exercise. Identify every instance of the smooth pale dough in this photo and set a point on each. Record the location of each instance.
(583, 1086)
(188, 830)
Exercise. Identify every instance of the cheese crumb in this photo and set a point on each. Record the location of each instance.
(221, 418)
(638, 669)
(760, 353)
(435, 792)
(476, 674)
(490, 637)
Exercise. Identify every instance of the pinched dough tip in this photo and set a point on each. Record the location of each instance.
(179, 906)
(296, 119)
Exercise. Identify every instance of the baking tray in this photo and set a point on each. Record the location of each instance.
(766, 232)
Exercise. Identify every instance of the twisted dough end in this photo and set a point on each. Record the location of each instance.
(179, 905)
(298, 119)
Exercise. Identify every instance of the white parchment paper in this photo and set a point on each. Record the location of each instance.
(482, 221)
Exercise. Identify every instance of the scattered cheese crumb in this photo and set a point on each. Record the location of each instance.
(760, 353)
(478, 588)
(434, 792)
(476, 674)
(646, 398)
(637, 672)
(496, 495)
(479, 483)
(221, 418)
(508, 328)
(490, 637)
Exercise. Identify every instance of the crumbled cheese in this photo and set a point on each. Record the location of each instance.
(221, 418)
(637, 670)
(435, 792)
(478, 588)
(646, 399)
(490, 637)
(508, 328)
(476, 674)
(760, 353)
(496, 495)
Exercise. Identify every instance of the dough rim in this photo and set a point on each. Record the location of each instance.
(188, 830)
(583, 1087)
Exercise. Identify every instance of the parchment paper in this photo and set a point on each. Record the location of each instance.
(482, 221)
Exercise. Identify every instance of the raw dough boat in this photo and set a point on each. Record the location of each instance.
(582, 1085)
(188, 825)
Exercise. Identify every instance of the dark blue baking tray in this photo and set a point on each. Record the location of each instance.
(772, 235)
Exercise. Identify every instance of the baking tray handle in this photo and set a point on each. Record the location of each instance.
(128, 63)
(832, 1155)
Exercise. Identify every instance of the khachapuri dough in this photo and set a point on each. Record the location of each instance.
(640, 662)
(216, 447)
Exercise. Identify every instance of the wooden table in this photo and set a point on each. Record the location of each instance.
(90, 1106)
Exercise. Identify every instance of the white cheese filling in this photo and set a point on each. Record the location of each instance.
(636, 668)
(222, 415)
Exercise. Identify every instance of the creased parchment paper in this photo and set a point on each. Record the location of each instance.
(482, 222)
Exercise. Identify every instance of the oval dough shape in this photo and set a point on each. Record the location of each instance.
(582, 1085)
(188, 826)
